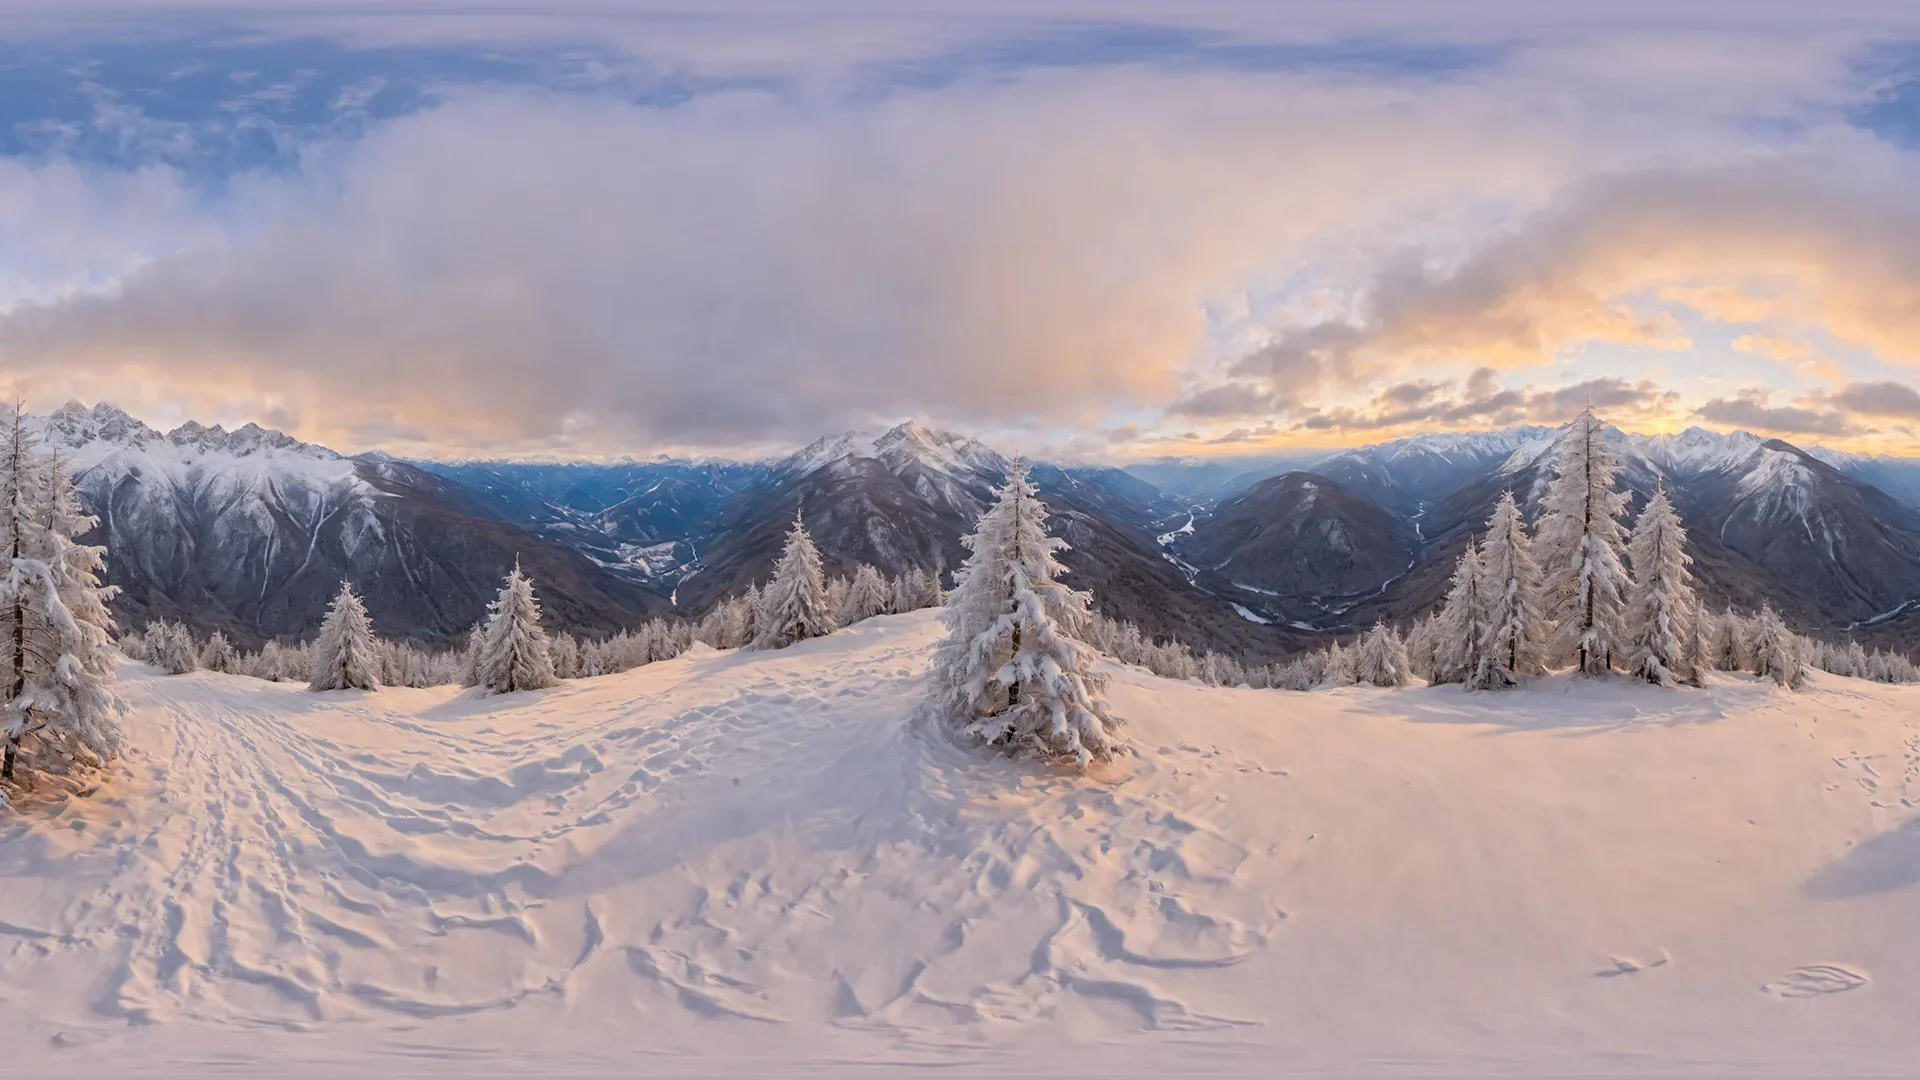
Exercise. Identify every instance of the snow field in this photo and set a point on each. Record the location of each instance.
(764, 861)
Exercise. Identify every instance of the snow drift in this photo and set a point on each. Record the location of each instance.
(761, 860)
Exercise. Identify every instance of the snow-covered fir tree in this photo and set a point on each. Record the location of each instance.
(1580, 547)
(1660, 597)
(1460, 627)
(1513, 627)
(1381, 658)
(566, 655)
(867, 596)
(837, 588)
(179, 654)
(1336, 666)
(1011, 671)
(59, 664)
(794, 605)
(345, 656)
(1729, 651)
(218, 654)
(1776, 650)
(1699, 642)
(1420, 648)
(515, 655)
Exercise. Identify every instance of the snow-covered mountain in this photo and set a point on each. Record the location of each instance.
(1404, 474)
(251, 531)
(1769, 522)
(905, 497)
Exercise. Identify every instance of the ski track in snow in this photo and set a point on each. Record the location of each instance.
(704, 854)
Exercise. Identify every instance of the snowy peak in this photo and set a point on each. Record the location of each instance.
(244, 441)
(73, 426)
(901, 449)
(1696, 450)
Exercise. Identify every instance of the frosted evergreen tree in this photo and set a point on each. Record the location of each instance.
(1459, 630)
(179, 653)
(794, 605)
(837, 588)
(470, 655)
(218, 654)
(1776, 650)
(1421, 647)
(345, 656)
(1660, 597)
(1856, 662)
(866, 596)
(1513, 627)
(1700, 635)
(269, 664)
(926, 589)
(1336, 666)
(1011, 671)
(515, 655)
(1580, 547)
(60, 664)
(1381, 658)
(566, 655)
(1729, 652)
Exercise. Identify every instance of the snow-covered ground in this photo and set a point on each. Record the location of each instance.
(741, 862)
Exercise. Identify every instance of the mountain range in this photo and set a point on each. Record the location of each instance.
(250, 531)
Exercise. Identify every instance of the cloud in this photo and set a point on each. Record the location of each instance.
(1226, 400)
(518, 269)
(1878, 399)
(1478, 402)
(1619, 258)
(1801, 356)
(522, 269)
(1753, 408)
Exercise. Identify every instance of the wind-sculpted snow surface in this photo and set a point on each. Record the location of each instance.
(748, 861)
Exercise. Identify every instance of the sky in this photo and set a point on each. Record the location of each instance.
(1113, 231)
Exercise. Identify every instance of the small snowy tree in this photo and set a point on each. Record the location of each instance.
(1660, 597)
(345, 656)
(1010, 672)
(181, 653)
(1699, 648)
(794, 606)
(1776, 650)
(1336, 665)
(1513, 628)
(566, 655)
(866, 596)
(515, 655)
(1581, 544)
(218, 655)
(1381, 658)
(1459, 630)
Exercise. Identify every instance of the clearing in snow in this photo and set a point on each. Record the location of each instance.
(763, 861)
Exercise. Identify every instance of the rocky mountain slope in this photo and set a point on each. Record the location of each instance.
(250, 532)
(1768, 521)
(905, 498)
(1301, 549)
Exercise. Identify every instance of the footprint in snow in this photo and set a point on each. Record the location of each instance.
(1816, 980)
(1627, 965)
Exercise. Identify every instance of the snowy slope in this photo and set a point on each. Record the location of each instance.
(753, 862)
